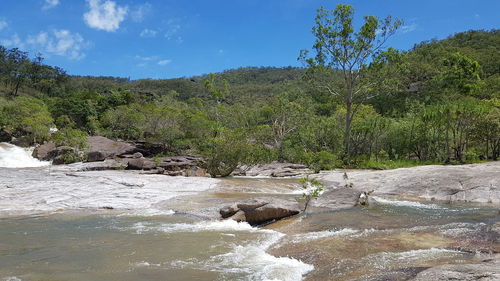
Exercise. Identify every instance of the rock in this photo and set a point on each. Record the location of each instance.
(95, 156)
(175, 163)
(195, 172)
(108, 164)
(275, 169)
(135, 164)
(275, 210)
(251, 204)
(64, 155)
(336, 199)
(261, 210)
(239, 216)
(149, 149)
(109, 148)
(149, 164)
(363, 199)
(486, 271)
(23, 141)
(42, 152)
(137, 155)
(5, 136)
(228, 211)
(477, 183)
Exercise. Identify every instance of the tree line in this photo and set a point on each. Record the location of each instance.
(353, 104)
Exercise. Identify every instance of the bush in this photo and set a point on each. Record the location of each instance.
(225, 152)
(70, 137)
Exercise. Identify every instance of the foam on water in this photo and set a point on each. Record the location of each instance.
(254, 262)
(148, 213)
(12, 278)
(225, 225)
(322, 234)
(249, 259)
(404, 203)
(12, 156)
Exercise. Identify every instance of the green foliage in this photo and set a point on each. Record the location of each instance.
(339, 49)
(225, 152)
(436, 103)
(70, 137)
(27, 116)
(312, 189)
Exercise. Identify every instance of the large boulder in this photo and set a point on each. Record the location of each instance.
(43, 151)
(104, 148)
(261, 210)
(96, 156)
(275, 210)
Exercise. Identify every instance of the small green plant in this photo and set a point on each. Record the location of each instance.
(312, 189)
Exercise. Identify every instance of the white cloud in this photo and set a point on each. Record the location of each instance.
(49, 4)
(3, 24)
(105, 16)
(59, 42)
(148, 33)
(164, 62)
(145, 61)
(408, 28)
(13, 42)
(140, 12)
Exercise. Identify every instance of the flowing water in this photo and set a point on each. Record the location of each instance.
(397, 237)
(12, 156)
(389, 240)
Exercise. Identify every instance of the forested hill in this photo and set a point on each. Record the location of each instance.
(436, 103)
(243, 82)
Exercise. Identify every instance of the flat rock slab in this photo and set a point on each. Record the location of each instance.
(487, 271)
(477, 183)
(336, 199)
(275, 170)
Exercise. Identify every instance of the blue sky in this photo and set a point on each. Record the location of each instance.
(166, 39)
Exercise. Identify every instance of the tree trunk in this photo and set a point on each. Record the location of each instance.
(347, 133)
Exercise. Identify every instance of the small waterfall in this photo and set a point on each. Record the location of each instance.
(12, 156)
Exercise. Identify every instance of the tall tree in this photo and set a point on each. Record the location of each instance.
(341, 51)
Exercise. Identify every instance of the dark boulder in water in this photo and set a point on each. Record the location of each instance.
(261, 210)
(5, 136)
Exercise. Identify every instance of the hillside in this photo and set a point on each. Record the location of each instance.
(435, 103)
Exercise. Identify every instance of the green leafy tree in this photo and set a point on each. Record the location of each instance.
(340, 50)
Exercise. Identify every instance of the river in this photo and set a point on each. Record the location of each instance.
(78, 239)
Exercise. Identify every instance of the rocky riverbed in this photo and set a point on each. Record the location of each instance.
(422, 223)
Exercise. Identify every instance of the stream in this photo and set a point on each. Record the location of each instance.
(394, 238)
(61, 224)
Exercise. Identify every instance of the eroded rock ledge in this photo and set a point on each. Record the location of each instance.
(475, 183)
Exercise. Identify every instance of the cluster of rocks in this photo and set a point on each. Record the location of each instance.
(261, 210)
(105, 154)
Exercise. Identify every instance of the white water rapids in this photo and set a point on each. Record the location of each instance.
(12, 156)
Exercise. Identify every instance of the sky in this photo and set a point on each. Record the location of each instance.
(167, 38)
